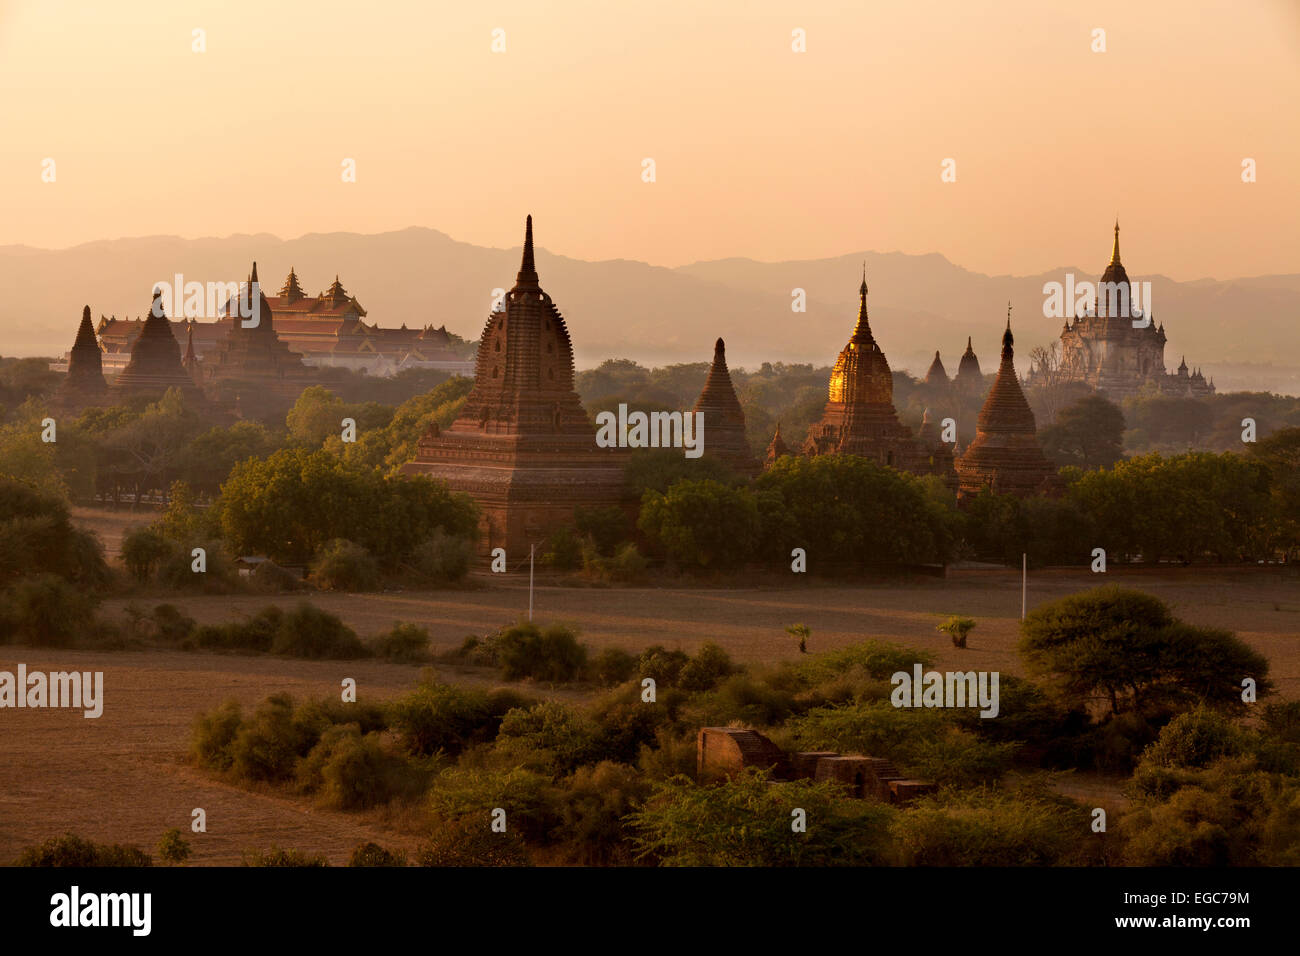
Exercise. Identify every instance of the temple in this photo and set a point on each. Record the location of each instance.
(1105, 350)
(85, 386)
(523, 446)
(859, 417)
(251, 365)
(1005, 457)
(776, 449)
(155, 364)
(724, 420)
(937, 375)
(968, 377)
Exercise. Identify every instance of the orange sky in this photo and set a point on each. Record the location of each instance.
(759, 151)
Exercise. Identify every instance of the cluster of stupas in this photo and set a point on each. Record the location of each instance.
(251, 372)
(524, 446)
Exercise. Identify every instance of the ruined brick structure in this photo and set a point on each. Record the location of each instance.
(724, 420)
(723, 752)
(1005, 457)
(523, 446)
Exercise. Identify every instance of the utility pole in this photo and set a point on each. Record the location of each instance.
(531, 549)
(1024, 583)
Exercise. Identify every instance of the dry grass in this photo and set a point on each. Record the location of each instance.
(122, 778)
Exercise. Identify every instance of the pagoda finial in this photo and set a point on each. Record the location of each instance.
(862, 289)
(253, 275)
(1114, 252)
(527, 268)
(864, 323)
(1007, 339)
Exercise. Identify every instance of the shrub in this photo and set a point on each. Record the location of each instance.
(562, 550)
(442, 558)
(170, 624)
(473, 792)
(469, 841)
(256, 634)
(173, 848)
(682, 824)
(548, 736)
(279, 857)
(309, 632)
(176, 568)
(143, 550)
(552, 654)
(703, 524)
(704, 671)
(613, 666)
(440, 717)
(351, 771)
(372, 854)
(993, 828)
(607, 527)
(592, 805)
(405, 642)
(71, 850)
(45, 610)
(267, 746)
(344, 566)
(213, 734)
(663, 666)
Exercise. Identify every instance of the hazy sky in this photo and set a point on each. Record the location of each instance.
(759, 151)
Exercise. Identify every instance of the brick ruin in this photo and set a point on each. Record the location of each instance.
(723, 752)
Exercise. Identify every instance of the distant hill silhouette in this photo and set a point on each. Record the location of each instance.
(623, 308)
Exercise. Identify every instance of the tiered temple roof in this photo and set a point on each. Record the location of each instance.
(1005, 457)
(724, 420)
(523, 445)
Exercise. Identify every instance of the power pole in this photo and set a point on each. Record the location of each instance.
(1024, 583)
(531, 549)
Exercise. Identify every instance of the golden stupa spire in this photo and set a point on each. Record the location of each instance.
(1114, 253)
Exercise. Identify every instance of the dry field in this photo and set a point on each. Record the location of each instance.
(122, 778)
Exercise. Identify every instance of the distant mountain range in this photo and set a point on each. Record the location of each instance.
(1243, 332)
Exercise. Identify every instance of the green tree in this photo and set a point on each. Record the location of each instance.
(1088, 434)
(1125, 647)
(701, 523)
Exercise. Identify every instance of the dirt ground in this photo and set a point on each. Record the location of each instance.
(122, 778)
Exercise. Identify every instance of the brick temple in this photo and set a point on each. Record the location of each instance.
(251, 368)
(155, 364)
(1005, 457)
(724, 420)
(523, 446)
(85, 385)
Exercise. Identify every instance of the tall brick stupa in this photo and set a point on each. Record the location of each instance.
(523, 446)
(724, 419)
(1005, 457)
(155, 364)
(85, 387)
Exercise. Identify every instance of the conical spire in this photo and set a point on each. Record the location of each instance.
(1114, 253)
(862, 330)
(937, 375)
(775, 449)
(86, 332)
(252, 276)
(1007, 339)
(527, 277)
(724, 419)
